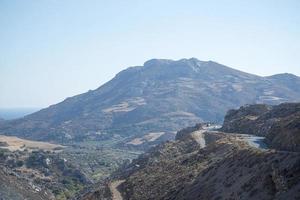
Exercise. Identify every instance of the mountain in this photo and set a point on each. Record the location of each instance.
(290, 80)
(154, 100)
(205, 164)
(280, 124)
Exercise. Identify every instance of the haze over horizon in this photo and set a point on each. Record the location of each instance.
(51, 50)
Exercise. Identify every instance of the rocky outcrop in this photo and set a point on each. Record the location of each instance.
(185, 133)
(279, 124)
(38, 175)
(13, 187)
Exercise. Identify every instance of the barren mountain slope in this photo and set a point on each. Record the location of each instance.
(160, 96)
(226, 168)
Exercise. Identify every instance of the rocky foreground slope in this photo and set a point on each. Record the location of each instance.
(224, 166)
(162, 96)
(37, 175)
(280, 124)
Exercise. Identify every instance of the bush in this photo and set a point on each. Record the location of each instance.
(3, 144)
(3, 154)
(36, 159)
(19, 163)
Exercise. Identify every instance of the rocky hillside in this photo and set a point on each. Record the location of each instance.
(162, 96)
(280, 124)
(13, 188)
(226, 167)
(37, 175)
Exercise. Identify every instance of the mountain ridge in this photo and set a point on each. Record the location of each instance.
(141, 99)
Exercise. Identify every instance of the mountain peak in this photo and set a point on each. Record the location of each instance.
(284, 75)
(185, 66)
(156, 61)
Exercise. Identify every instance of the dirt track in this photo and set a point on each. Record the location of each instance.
(113, 186)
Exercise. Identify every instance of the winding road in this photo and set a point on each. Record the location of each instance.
(252, 140)
(113, 186)
(198, 136)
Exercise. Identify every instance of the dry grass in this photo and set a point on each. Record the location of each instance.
(15, 143)
(126, 106)
(150, 137)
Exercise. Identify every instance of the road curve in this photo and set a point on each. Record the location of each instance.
(113, 186)
(199, 137)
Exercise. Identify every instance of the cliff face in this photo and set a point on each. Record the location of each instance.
(279, 124)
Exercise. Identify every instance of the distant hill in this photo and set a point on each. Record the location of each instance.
(162, 96)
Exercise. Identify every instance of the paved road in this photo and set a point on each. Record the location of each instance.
(198, 136)
(254, 141)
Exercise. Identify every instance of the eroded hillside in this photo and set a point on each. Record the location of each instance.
(224, 166)
(279, 124)
(35, 170)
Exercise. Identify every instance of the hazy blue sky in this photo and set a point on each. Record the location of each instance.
(53, 49)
